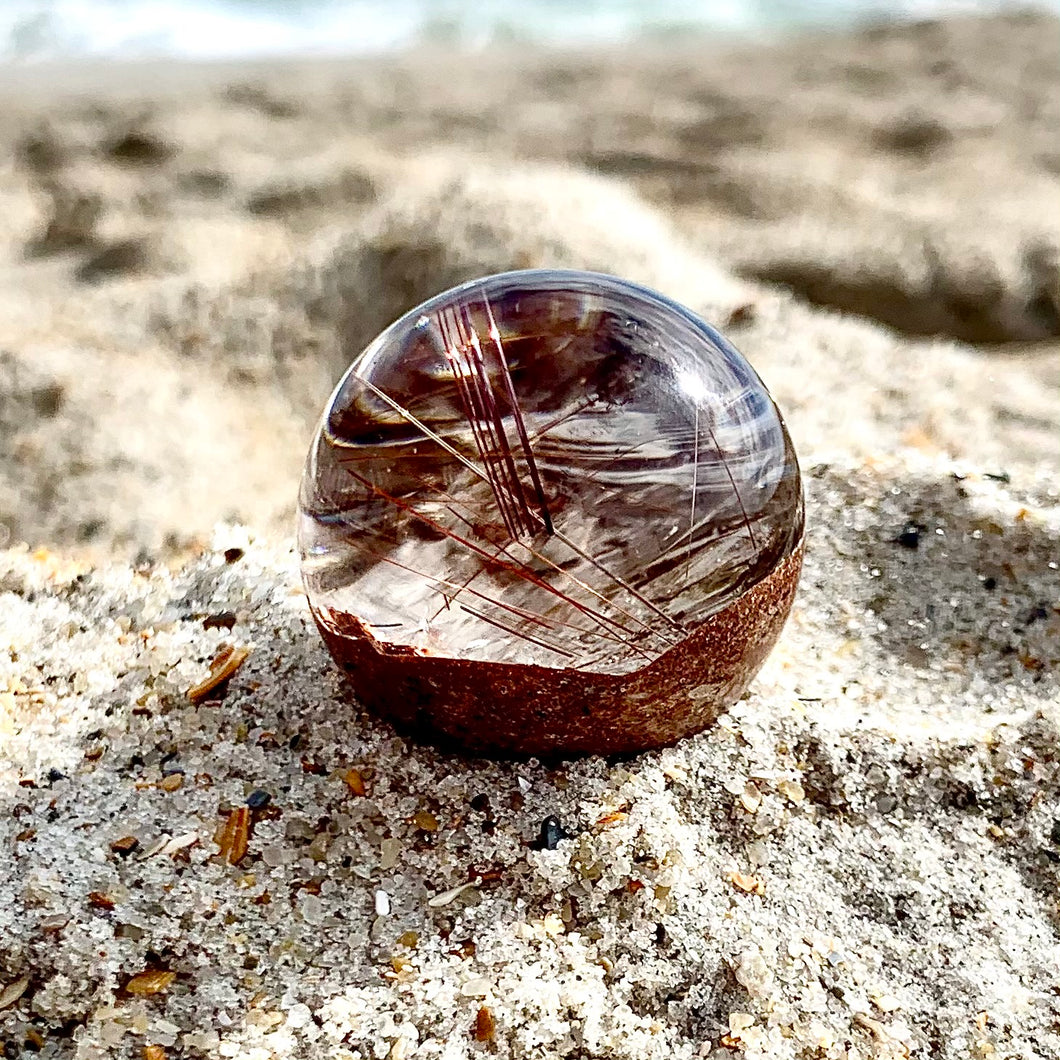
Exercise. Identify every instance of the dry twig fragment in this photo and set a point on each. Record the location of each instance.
(13, 991)
(485, 1026)
(222, 667)
(234, 836)
(446, 897)
(170, 845)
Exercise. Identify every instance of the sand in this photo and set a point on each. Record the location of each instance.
(860, 860)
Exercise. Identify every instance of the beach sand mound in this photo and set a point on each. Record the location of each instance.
(859, 860)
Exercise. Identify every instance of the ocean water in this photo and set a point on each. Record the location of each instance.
(207, 29)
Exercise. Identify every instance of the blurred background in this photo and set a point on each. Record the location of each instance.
(208, 208)
(34, 29)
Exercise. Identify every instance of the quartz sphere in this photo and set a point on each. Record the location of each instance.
(550, 512)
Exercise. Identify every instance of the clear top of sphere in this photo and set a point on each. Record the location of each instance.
(548, 467)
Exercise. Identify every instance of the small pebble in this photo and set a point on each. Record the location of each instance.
(426, 820)
(390, 851)
(485, 1027)
(10, 993)
(258, 799)
(753, 973)
(746, 882)
(909, 537)
(739, 1022)
(313, 909)
(169, 765)
(552, 832)
(399, 1050)
(382, 903)
(153, 981)
(355, 782)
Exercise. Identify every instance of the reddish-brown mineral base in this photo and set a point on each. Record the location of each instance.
(551, 512)
(535, 710)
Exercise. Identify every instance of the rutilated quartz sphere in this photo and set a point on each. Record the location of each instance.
(550, 512)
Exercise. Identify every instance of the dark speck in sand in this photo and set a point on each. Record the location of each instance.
(114, 259)
(1035, 614)
(169, 764)
(138, 149)
(910, 536)
(258, 799)
(552, 832)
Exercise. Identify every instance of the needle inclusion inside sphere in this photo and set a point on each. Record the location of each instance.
(551, 511)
